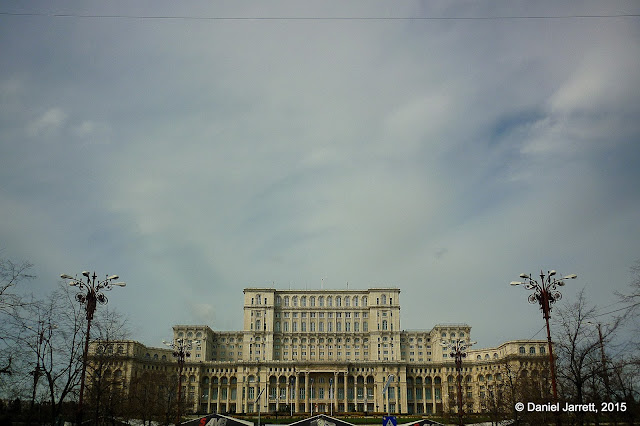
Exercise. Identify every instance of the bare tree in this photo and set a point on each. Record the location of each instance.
(578, 343)
(62, 357)
(11, 304)
(106, 393)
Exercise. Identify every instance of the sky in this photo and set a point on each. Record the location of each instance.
(442, 147)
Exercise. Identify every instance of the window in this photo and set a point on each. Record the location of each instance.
(384, 299)
(286, 301)
(339, 301)
(321, 301)
(278, 300)
(329, 300)
(321, 326)
(521, 350)
(313, 300)
(384, 324)
(541, 350)
(295, 300)
(532, 350)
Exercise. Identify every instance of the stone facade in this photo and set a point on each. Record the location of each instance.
(328, 351)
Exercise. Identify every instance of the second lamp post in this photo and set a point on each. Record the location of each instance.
(545, 294)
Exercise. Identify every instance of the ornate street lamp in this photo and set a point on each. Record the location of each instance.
(545, 294)
(458, 351)
(91, 294)
(181, 352)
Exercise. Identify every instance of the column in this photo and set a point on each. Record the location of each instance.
(355, 394)
(335, 392)
(375, 396)
(296, 394)
(424, 396)
(397, 398)
(433, 395)
(346, 395)
(209, 397)
(218, 397)
(278, 395)
(306, 392)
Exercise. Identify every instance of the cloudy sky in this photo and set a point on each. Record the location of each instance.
(198, 148)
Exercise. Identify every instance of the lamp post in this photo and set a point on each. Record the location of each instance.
(385, 389)
(91, 294)
(180, 353)
(258, 403)
(458, 351)
(545, 294)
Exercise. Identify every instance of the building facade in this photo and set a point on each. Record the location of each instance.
(312, 351)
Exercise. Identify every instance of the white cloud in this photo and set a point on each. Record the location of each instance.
(48, 123)
(439, 156)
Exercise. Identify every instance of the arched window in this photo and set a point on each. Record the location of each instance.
(286, 301)
(339, 301)
(303, 301)
(259, 299)
(532, 350)
(313, 300)
(542, 350)
(355, 301)
(522, 350)
(329, 301)
(321, 301)
(295, 300)
(346, 301)
(364, 301)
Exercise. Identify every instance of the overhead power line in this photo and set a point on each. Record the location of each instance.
(318, 18)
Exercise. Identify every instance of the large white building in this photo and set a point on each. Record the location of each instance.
(329, 350)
